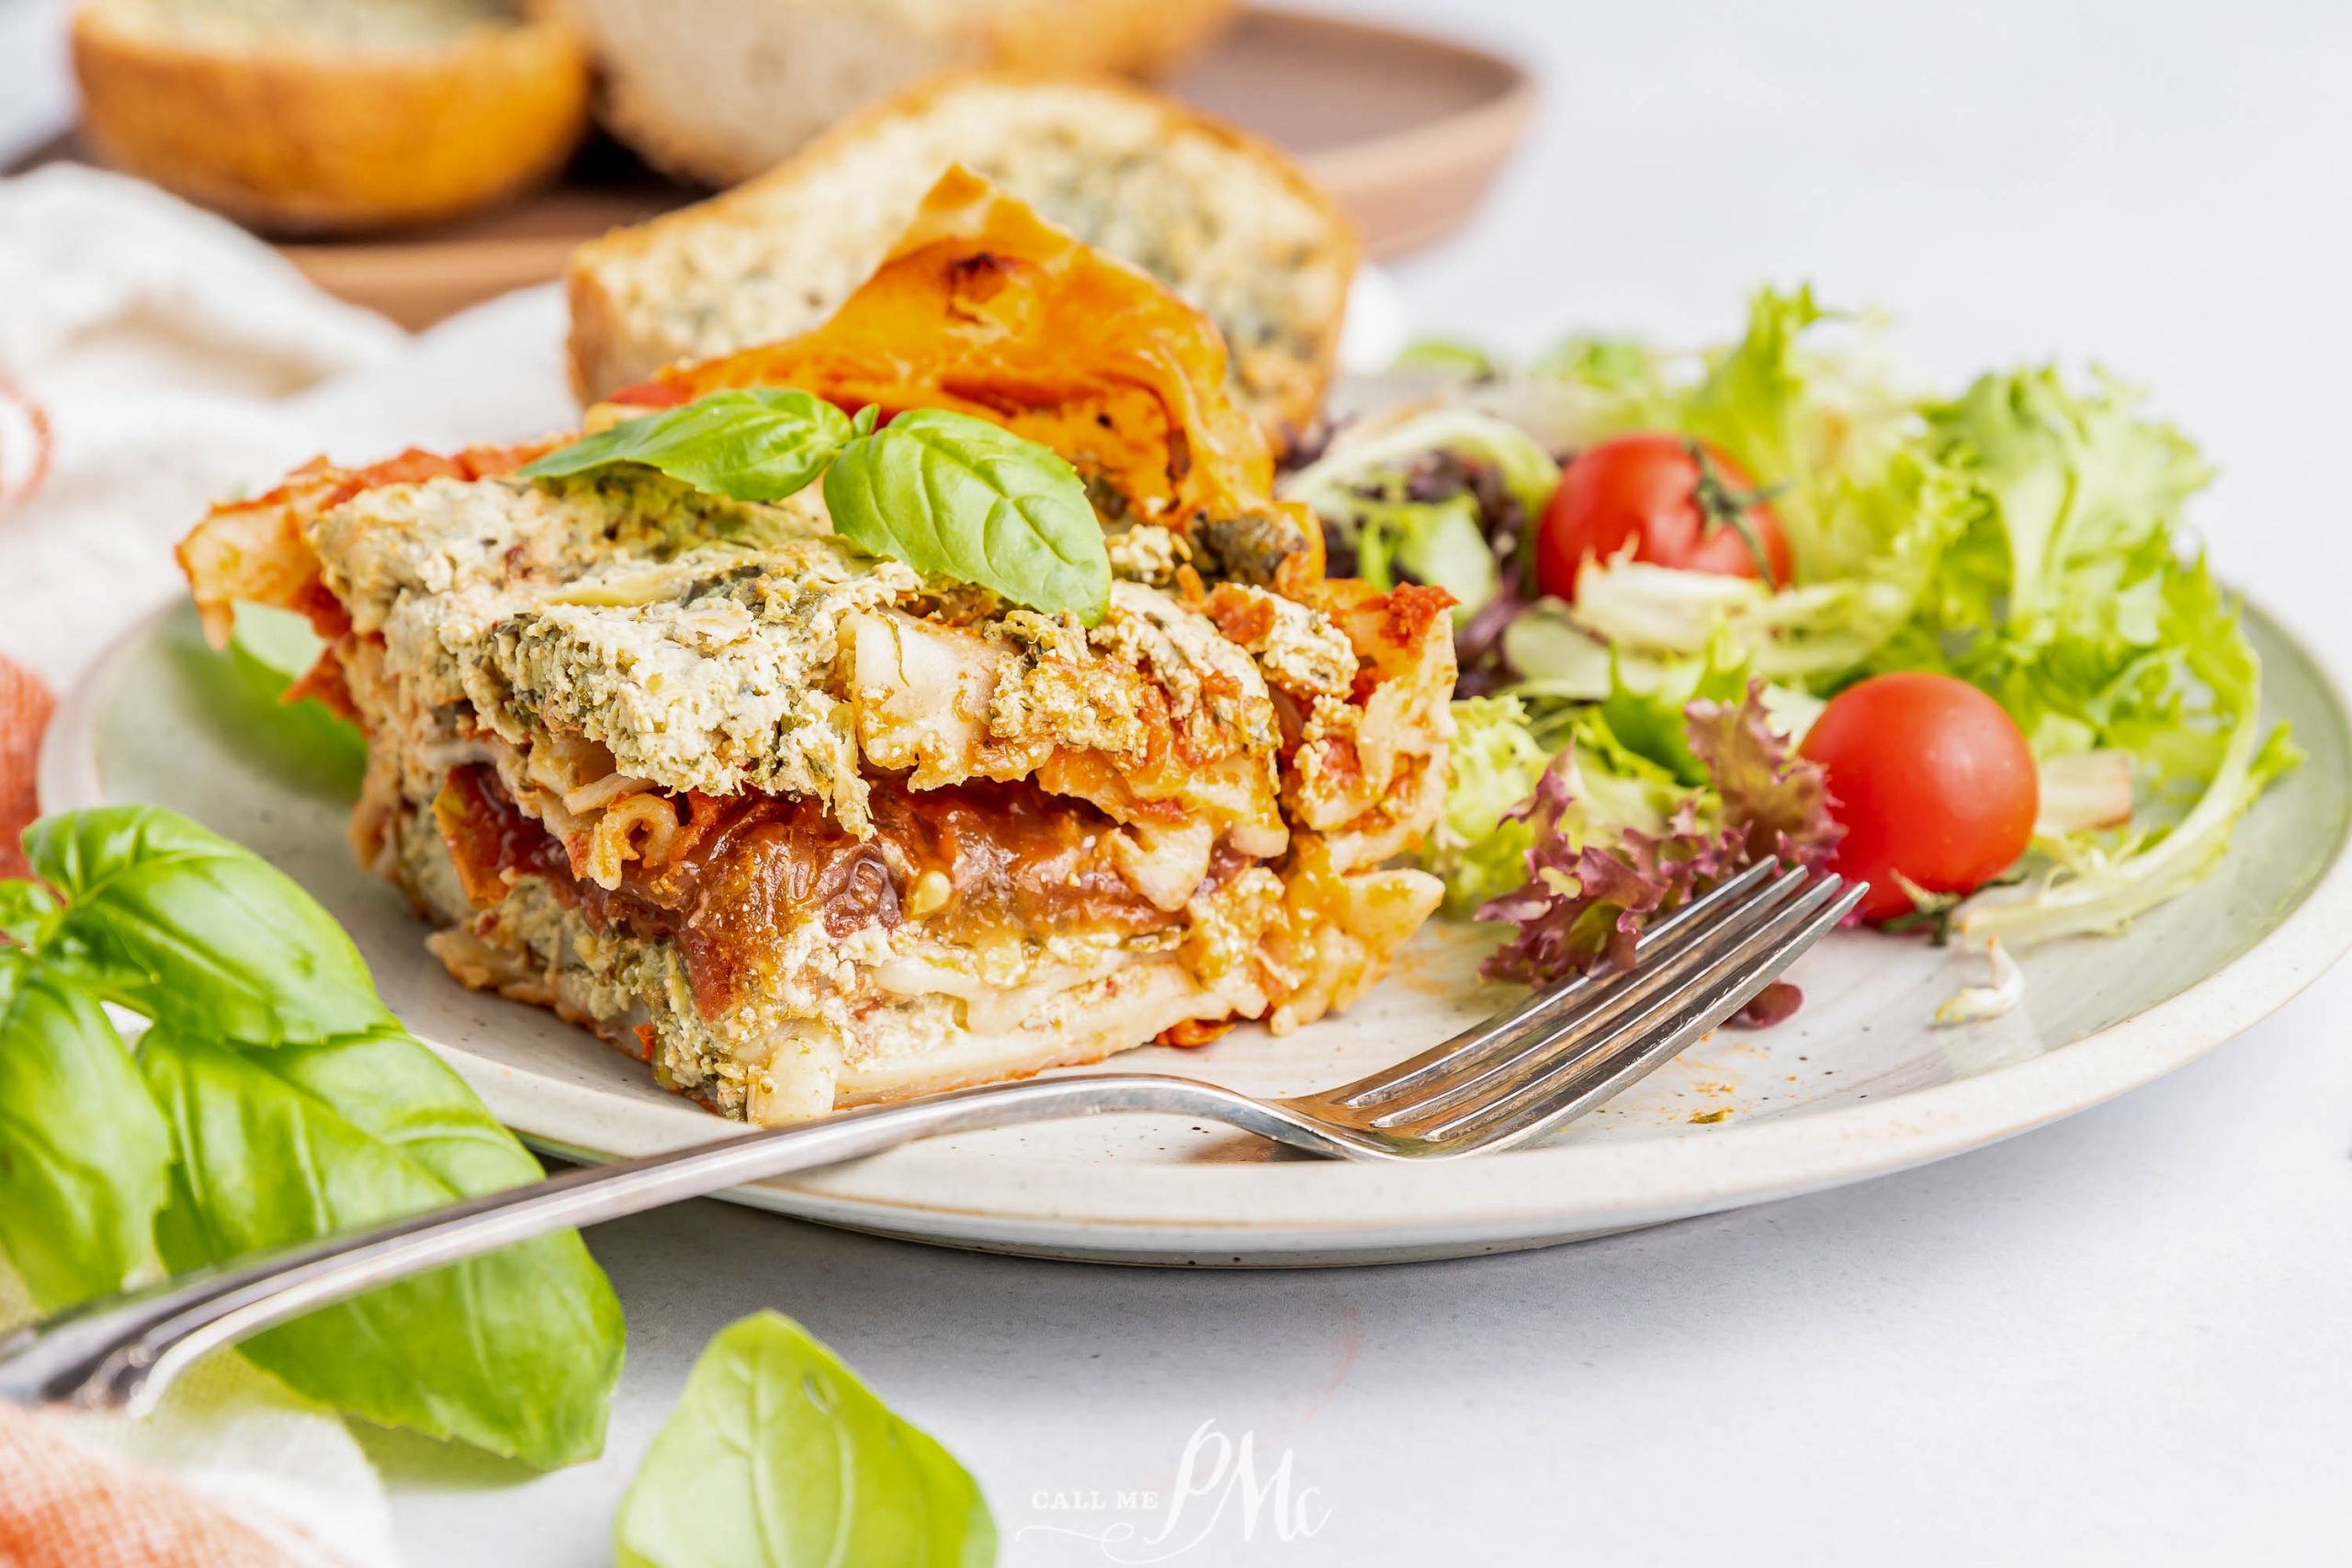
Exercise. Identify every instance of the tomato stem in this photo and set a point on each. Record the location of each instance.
(1720, 506)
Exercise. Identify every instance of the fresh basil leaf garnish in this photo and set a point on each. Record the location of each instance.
(84, 1159)
(964, 499)
(946, 494)
(748, 444)
(175, 922)
(778, 1455)
(516, 1351)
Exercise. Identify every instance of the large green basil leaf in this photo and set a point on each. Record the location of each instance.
(962, 499)
(171, 919)
(83, 1156)
(752, 444)
(777, 1455)
(517, 1353)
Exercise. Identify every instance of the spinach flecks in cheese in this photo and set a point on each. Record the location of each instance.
(724, 685)
(693, 638)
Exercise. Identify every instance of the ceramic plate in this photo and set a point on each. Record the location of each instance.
(1856, 1085)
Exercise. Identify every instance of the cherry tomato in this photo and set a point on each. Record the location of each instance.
(1931, 779)
(1678, 503)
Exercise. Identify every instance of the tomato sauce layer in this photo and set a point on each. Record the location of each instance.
(746, 869)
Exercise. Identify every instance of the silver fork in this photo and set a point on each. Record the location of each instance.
(1510, 1080)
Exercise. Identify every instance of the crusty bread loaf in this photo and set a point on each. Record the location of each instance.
(313, 115)
(721, 90)
(1227, 222)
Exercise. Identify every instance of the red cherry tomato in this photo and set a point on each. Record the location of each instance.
(1931, 778)
(1653, 490)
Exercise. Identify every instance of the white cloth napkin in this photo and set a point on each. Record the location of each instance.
(175, 360)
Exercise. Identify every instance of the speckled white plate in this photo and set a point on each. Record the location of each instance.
(1857, 1084)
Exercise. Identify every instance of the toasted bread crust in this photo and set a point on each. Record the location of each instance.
(1135, 38)
(646, 296)
(671, 90)
(303, 139)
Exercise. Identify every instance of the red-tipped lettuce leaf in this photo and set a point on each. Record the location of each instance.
(1779, 801)
(1584, 905)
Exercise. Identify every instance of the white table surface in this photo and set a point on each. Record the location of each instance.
(2122, 1338)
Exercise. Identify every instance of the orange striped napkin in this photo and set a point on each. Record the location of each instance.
(25, 706)
(62, 1507)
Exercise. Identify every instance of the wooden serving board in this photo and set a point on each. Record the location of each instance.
(1406, 129)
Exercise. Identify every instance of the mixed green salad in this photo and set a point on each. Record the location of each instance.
(1761, 599)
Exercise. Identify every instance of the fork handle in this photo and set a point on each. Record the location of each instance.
(123, 1351)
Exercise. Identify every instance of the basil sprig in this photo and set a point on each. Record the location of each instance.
(964, 499)
(777, 1454)
(752, 444)
(948, 494)
(273, 1101)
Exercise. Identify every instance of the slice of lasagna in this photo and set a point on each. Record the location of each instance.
(804, 827)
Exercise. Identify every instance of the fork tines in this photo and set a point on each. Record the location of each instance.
(1569, 1047)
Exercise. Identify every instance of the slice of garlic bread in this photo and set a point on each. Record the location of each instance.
(718, 91)
(1225, 220)
(330, 116)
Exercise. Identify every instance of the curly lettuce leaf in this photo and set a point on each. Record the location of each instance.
(1553, 658)
(1648, 707)
(1621, 368)
(2082, 496)
(1500, 752)
(1447, 356)
(1476, 849)
(1777, 801)
(1758, 402)
(1585, 900)
(1592, 881)
(1632, 373)
(1528, 470)
(2066, 598)
(2198, 726)
(1440, 542)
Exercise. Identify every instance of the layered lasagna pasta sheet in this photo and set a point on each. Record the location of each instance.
(803, 827)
